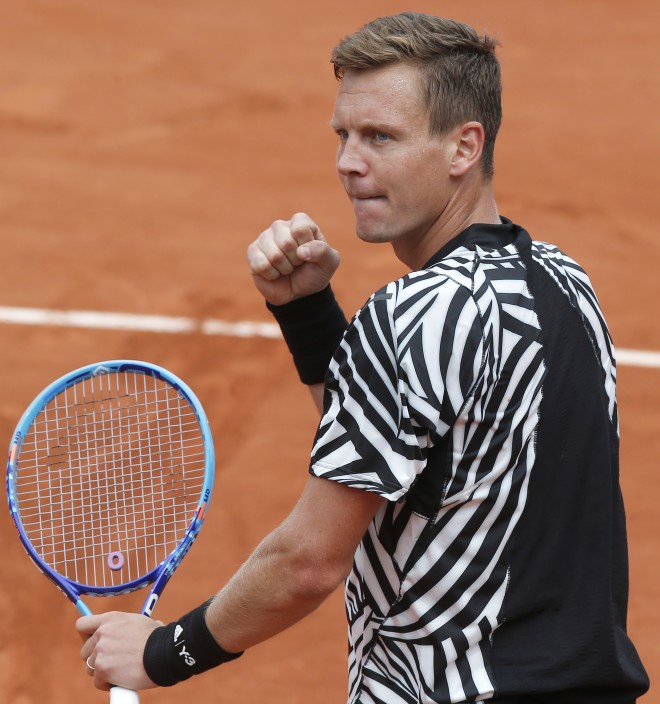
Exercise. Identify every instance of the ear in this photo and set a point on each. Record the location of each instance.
(469, 143)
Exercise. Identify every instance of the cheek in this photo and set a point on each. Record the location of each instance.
(424, 184)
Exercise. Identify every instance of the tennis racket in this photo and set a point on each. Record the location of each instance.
(109, 475)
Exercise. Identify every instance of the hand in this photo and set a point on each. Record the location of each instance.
(114, 647)
(291, 259)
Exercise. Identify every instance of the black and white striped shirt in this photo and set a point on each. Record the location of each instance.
(478, 396)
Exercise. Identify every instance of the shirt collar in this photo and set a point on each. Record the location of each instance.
(482, 235)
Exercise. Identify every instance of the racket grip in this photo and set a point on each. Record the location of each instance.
(120, 695)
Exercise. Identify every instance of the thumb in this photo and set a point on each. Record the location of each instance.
(319, 252)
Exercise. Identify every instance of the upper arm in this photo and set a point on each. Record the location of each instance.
(316, 392)
(406, 368)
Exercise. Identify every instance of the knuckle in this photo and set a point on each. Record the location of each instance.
(278, 226)
(288, 245)
(277, 258)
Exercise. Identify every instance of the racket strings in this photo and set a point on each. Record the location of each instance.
(109, 477)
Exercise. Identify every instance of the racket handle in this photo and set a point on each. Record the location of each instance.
(119, 695)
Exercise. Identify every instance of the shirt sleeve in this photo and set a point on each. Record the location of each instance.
(407, 363)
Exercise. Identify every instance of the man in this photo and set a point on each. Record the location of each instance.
(465, 470)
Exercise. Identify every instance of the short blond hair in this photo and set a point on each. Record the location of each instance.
(460, 73)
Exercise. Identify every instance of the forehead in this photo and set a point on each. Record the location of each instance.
(391, 93)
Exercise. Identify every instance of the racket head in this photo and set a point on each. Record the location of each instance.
(109, 476)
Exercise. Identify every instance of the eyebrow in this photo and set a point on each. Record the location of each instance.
(367, 125)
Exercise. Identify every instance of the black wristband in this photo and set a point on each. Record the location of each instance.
(181, 649)
(312, 328)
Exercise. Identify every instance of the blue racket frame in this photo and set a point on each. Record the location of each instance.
(160, 575)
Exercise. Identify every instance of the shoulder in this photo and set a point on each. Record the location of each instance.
(435, 282)
(551, 256)
(566, 272)
(420, 302)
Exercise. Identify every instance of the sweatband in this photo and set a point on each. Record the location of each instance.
(181, 649)
(312, 327)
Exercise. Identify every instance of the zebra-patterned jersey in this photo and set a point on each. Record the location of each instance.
(477, 395)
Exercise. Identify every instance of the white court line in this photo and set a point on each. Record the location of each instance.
(165, 324)
(637, 358)
(129, 321)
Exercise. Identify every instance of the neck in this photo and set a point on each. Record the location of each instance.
(462, 210)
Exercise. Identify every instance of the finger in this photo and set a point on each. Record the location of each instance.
(88, 647)
(289, 235)
(86, 625)
(100, 682)
(273, 252)
(279, 244)
(94, 667)
(259, 264)
(304, 229)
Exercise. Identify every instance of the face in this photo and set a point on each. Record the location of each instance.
(395, 173)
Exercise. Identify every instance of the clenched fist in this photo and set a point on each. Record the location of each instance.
(291, 259)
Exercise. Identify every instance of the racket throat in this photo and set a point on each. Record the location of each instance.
(150, 604)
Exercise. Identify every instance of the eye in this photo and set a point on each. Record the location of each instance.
(381, 136)
(342, 134)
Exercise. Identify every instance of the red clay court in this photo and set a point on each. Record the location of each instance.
(145, 143)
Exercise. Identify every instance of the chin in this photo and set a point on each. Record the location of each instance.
(372, 234)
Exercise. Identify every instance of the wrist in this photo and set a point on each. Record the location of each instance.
(184, 648)
(312, 327)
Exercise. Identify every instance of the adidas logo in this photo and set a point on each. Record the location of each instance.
(177, 632)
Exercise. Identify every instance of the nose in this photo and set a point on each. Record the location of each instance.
(350, 160)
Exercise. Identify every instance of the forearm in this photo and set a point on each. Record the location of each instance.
(274, 589)
(288, 576)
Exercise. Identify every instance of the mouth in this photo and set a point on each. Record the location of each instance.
(360, 197)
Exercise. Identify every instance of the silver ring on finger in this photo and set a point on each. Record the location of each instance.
(89, 664)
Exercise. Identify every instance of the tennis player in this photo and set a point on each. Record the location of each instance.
(464, 475)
